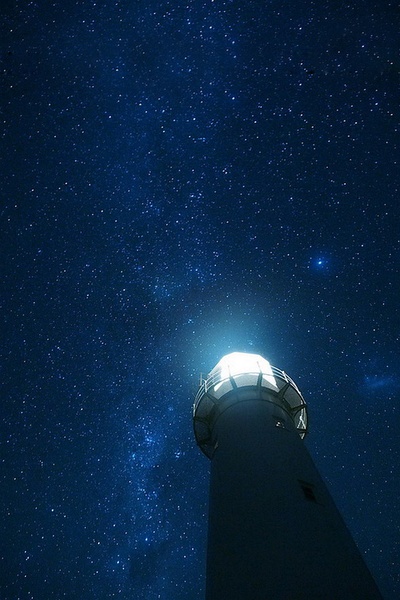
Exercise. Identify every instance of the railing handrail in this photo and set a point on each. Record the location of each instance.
(211, 381)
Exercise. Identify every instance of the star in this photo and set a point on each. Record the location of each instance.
(320, 263)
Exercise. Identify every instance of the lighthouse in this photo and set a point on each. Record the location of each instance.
(274, 532)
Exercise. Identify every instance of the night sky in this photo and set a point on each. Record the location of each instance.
(180, 180)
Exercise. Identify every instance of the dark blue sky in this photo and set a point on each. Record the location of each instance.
(181, 180)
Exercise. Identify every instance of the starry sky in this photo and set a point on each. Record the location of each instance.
(180, 180)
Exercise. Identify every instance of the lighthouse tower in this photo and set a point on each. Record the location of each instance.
(274, 532)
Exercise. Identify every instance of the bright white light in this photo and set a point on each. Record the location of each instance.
(242, 363)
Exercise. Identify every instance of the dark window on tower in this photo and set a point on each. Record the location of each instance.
(308, 491)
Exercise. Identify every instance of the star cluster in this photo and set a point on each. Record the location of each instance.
(182, 180)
